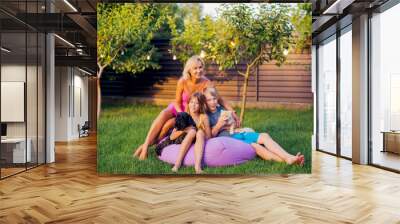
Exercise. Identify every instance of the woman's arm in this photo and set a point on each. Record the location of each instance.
(178, 95)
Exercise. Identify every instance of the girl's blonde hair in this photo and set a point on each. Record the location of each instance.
(202, 109)
(189, 65)
(212, 91)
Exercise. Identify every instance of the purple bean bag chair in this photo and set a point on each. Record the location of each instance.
(220, 151)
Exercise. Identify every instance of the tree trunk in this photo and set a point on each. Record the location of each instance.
(100, 72)
(244, 96)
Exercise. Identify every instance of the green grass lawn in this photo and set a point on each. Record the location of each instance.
(122, 128)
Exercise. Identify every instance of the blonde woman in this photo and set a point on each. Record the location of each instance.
(192, 80)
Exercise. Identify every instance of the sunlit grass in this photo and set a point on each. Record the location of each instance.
(122, 128)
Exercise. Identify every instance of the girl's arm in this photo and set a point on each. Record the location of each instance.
(227, 106)
(219, 126)
(175, 134)
(178, 95)
(207, 128)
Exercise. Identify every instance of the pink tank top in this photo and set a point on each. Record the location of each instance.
(185, 99)
(186, 96)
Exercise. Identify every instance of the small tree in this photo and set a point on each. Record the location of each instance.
(124, 34)
(302, 22)
(240, 35)
(188, 38)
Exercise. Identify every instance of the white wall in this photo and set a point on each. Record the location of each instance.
(71, 87)
(80, 110)
(34, 124)
(62, 81)
(14, 72)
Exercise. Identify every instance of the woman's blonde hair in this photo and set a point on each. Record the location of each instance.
(189, 65)
(201, 99)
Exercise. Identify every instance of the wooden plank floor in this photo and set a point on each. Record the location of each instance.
(70, 191)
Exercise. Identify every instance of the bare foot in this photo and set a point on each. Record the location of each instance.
(175, 169)
(300, 159)
(294, 159)
(291, 160)
(199, 171)
(137, 152)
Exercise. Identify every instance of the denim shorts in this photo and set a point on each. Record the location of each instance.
(247, 137)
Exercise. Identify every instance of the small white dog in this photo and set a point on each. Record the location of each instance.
(241, 130)
(230, 120)
(232, 123)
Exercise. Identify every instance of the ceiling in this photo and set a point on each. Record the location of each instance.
(74, 22)
(328, 15)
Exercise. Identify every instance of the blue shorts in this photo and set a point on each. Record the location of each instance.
(247, 137)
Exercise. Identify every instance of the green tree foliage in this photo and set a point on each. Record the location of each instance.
(124, 34)
(302, 22)
(241, 34)
(188, 32)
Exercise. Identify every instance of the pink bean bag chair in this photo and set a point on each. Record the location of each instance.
(220, 151)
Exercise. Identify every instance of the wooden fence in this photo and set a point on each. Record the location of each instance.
(289, 84)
